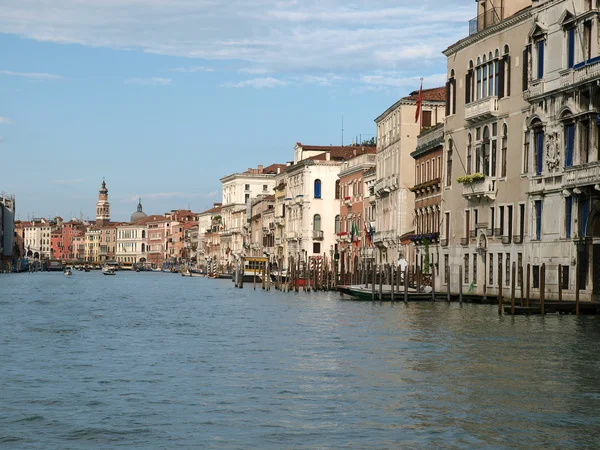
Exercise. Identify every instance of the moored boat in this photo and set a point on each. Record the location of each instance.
(68, 272)
(107, 270)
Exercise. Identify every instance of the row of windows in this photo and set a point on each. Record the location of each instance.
(428, 170)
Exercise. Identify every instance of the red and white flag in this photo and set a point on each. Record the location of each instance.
(419, 103)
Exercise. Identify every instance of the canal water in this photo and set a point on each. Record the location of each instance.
(152, 360)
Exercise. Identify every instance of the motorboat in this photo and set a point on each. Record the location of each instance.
(106, 270)
(68, 272)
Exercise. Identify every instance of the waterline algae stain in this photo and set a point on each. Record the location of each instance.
(147, 360)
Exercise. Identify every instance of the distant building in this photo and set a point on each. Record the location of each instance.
(103, 207)
(7, 226)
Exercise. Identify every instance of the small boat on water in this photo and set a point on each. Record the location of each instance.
(106, 270)
(68, 272)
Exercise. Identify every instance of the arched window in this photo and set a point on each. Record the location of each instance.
(449, 164)
(337, 224)
(484, 85)
(337, 190)
(483, 159)
(538, 143)
(504, 149)
(477, 95)
(317, 188)
(143, 247)
(317, 222)
(469, 153)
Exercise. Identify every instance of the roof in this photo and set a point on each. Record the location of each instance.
(343, 153)
(429, 95)
(274, 168)
(215, 209)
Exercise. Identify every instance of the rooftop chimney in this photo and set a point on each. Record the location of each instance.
(327, 156)
(260, 168)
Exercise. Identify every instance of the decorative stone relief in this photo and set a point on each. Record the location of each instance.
(552, 150)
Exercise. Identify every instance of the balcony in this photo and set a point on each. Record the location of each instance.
(491, 17)
(584, 175)
(386, 185)
(536, 89)
(587, 70)
(483, 109)
(479, 189)
(317, 235)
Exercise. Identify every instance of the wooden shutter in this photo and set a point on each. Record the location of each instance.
(468, 87)
(525, 68)
(447, 98)
(507, 64)
(500, 92)
(453, 82)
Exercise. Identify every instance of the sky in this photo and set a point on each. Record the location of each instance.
(165, 97)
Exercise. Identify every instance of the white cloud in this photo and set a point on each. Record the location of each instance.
(264, 36)
(399, 80)
(154, 81)
(258, 83)
(38, 76)
(5, 121)
(192, 69)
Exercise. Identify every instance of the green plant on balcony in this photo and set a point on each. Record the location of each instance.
(468, 179)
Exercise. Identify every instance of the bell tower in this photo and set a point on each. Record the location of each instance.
(103, 207)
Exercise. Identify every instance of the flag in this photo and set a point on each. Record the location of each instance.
(367, 233)
(355, 232)
(352, 232)
(419, 103)
(371, 233)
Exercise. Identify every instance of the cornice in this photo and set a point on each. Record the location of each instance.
(487, 32)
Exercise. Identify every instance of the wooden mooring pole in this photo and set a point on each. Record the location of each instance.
(373, 269)
(391, 268)
(380, 282)
(406, 284)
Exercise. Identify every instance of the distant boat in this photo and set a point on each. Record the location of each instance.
(67, 272)
(106, 270)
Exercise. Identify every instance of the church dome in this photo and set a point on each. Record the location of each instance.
(139, 214)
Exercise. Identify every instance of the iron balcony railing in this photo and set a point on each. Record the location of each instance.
(491, 17)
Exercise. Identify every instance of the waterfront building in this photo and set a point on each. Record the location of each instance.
(7, 226)
(262, 227)
(79, 246)
(208, 227)
(370, 178)
(37, 238)
(179, 218)
(62, 239)
(397, 133)
(239, 189)
(132, 242)
(158, 233)
(427, 190)
(560, 156)
(280, 241)
(484, 213)
(311, 205)
(189, 253)
(19, 248)
(92, 244)
(350, 191)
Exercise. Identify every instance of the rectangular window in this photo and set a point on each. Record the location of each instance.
(246, 198)
(447, 225)
(507, 279)
(317, 248)
(526, 153)
(427, 177)
(491, 269)
(433, 172)
(501, 219)
(569, 143)
(467, 223)
(439, 165)
(521, 222)
(519, 266)
(568, 216)
(587, 40)
(538, 219)
(475, 269)
(510, 220)
(426, 119)
(491, 79)
(247, 187)
(536, 277)
(540, 59)
(504, 154)
(584, 206)
(584, 154)
(565, 277)
(496, 78)
(493, 171)
(484, 85)
(478, 83)
(571, 47)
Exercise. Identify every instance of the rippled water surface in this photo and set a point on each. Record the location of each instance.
(153, 360)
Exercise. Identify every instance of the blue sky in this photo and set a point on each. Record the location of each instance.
(164, 97)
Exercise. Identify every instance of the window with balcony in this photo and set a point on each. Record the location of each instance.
(571, 47)
(469, 153)
(540, 45)
(569, 133)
